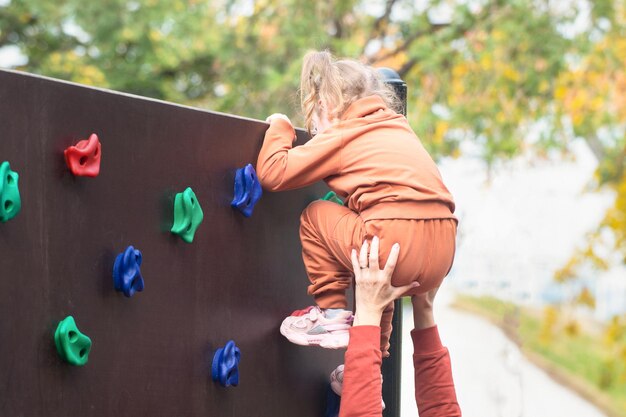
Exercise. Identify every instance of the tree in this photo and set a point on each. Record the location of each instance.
(155, 48)
(592, 96)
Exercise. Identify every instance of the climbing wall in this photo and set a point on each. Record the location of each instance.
(151, 353)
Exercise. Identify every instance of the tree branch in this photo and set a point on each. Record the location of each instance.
(455, 31)
(596, 146)
(407, 43)
(378, 23)
(384, 17)
(407, 67)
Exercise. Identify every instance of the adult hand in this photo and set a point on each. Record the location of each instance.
(373, 289)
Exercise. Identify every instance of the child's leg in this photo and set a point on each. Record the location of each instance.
(328, 232)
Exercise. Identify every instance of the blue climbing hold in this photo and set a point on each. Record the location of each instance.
(247, 190)
(126, 272)
(225, 367)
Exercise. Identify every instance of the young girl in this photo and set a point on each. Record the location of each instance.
(368, 155)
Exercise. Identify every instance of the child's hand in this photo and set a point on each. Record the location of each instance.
(277, 116)
(373, 290)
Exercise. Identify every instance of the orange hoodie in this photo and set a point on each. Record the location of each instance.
(370, 156)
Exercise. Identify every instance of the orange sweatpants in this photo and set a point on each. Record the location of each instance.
(329, 232)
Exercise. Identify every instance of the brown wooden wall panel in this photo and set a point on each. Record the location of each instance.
(151, 353)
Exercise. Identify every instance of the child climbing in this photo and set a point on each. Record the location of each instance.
(368, 155)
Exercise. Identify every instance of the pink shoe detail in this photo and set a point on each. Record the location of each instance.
(298, 313)
(312, 328)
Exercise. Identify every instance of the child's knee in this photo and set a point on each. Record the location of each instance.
(311, 211)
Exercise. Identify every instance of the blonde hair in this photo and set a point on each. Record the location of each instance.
(338, 83)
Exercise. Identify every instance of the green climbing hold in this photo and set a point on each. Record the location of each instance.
(187, 215)
(10, 201)
(72, 345)
(332, 196)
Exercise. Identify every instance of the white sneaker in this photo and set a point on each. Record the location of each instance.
(310, 327)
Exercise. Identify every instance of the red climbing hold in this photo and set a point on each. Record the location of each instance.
(83, 159)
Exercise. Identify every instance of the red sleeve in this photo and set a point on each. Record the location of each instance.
(362, 386)
(434, 388)
(281, 167)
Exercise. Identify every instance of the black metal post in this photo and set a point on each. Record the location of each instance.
(392, 366)
(392, 78)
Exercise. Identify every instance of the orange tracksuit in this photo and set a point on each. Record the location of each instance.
(393, 190)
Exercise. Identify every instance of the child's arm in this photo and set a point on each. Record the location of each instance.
(434, 388)
(281, 167)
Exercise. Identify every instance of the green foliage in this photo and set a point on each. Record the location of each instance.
(550, 318)
(494, 71)
(592, 95)
(491, 69)
(157, 48)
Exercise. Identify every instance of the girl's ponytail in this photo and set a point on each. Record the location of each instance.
(338, 84)
(317, 74)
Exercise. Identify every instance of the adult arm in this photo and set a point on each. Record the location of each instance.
(362, 385)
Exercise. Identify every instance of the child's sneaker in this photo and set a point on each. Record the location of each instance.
(310, 327)
(298, 313)
(336, 381)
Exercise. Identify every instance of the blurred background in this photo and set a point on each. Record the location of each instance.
(521, 102)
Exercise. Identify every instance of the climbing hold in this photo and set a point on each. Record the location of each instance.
(72, 345)
(10, 200)
(126, 272)
(83, 159)
(332, 196)
(247, 190)
(225, 368)
(187, 215)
